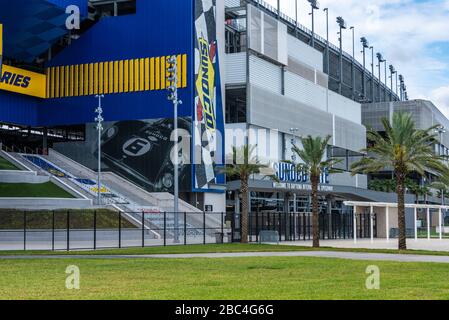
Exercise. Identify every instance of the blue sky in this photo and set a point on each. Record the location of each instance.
(413, 35)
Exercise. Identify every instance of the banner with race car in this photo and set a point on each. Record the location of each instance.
(208, 124)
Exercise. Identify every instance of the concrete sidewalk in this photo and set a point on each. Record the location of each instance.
(421, 244)
(318, 254)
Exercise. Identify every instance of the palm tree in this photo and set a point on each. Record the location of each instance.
(404, 148)
(312, 154)
(442, 186)
(243, 164)
(413, 187)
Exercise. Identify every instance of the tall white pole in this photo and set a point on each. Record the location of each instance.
(176, 173)
(173, 96)
(439, 223)
(99, 119)
(428, 223)
(99, 167)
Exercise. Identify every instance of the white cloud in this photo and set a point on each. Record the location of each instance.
(406, 32)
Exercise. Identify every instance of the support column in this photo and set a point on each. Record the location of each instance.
(354, 227)
(428, 223)
(295, 213)
(330, 226)
(416, 223)
(439, 223)
(371, 223)
(387, 222)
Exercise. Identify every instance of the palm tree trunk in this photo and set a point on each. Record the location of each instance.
(315, 214)
(244, 215)
(400, 190)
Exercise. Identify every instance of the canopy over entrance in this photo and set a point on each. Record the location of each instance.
(390, 209)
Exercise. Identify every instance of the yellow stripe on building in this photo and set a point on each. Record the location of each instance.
(100, 78)
(86, 79)
(147, 74)
(67, 75)
(91, 78)
(152, 72)
(184, 71)
(105, 69)
(112, 77)
(76, 81)
(142, 74)
(157, 81)
(131, 75)
(81, 79)
(126, 76)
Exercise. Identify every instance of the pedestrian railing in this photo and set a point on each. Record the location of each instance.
(299, 226)
(100, 229)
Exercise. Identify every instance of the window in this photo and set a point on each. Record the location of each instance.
(236, 105)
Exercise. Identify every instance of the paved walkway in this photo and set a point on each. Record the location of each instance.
(320, 254)
(421, 244)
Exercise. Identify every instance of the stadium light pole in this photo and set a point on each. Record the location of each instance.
(327, 40)
(315, 6)
(172, 77)
(386, 76)
(342, 24)
(296, 18)
(99, 120)
(392, 72)
(365, 45)
(353, 63)
(372, 74)
(396, 90)
(380, 59)
(401, 83)
(327, 57)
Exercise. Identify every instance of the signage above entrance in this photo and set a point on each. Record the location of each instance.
(287, 172)
(301, 187)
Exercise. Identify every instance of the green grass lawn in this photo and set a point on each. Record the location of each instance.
(28, 190)
(6, 165)
(226, 278)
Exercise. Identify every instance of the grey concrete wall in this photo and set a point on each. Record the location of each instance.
(44, 203)
(22, 177)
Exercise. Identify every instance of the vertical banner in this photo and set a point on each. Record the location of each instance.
(208, 124)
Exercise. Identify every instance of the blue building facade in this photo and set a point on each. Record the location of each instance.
(124, 58)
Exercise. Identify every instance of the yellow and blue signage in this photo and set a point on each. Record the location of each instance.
(23, 81)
